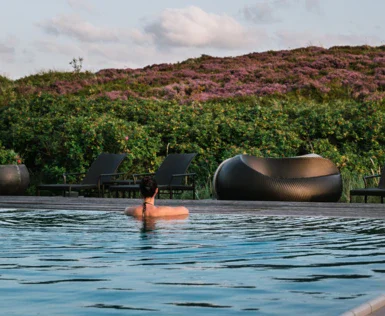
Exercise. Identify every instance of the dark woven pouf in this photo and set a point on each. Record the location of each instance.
(303, 178)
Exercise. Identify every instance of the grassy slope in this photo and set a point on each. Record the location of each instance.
(349, 72)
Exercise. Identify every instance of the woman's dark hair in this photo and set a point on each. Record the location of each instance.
(148, 187)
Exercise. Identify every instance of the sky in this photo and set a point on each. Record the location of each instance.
(42, 35)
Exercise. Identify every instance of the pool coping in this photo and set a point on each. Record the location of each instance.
(257, 208)
(367, 308)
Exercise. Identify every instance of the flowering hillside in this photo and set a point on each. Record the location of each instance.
(353, 72)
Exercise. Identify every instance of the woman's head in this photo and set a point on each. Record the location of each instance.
(148, 187)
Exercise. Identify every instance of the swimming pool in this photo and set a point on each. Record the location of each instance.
(103, 263)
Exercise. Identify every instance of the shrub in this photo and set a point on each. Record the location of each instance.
(9, 156)
(55, 134)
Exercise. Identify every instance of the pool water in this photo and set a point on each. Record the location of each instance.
(103, 263)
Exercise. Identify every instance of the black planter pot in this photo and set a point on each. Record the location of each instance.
(14, 179)
(297, 179)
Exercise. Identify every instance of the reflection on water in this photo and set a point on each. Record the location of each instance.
(121, 307)
(191, 304)
(148, 225)
(97, 262)
(148, 229)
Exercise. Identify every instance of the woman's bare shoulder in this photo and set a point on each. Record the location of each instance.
(171, 211)
(133, 211)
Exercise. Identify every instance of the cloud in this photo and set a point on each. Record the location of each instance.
(74, 27)
(8, 49)
(121, 53)
(66, 49)
(174, 28)
(138, 37)
(289, 40)
(28, 56)
(174, 35)
(261, 12)
(193, 27)
(265, 12)
(274, 11)
(5, 49)
(81, 5)
(313, 6)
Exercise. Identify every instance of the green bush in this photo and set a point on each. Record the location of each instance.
(9, 156)
(56, 134)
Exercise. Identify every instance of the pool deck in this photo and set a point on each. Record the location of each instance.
(258, 208)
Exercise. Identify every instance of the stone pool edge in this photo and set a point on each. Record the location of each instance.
(257, 208)
(368, 308)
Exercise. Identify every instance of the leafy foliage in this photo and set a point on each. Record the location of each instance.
(55, 134)
(77, 64)
(9, 156)
(272, 104)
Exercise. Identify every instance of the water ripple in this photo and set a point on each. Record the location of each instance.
(121, 307)
(67, 280)
(194, 304)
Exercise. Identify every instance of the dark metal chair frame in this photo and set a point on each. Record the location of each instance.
(101, 170)
(171, 177)
(371, 191)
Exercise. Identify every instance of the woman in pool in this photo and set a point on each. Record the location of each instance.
(149, 189)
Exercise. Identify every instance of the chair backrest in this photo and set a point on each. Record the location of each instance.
(173, 164)
(381, 184)
(105, 163)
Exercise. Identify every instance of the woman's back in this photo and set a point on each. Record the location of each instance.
(155, 211)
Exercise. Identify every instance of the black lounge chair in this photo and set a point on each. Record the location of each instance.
(171, 177)
(303, 178)
(102, 169)
(368, 191)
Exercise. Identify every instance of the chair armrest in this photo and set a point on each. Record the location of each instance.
(65, 174)
(183, 175)
(111, 174)
(370, 177)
